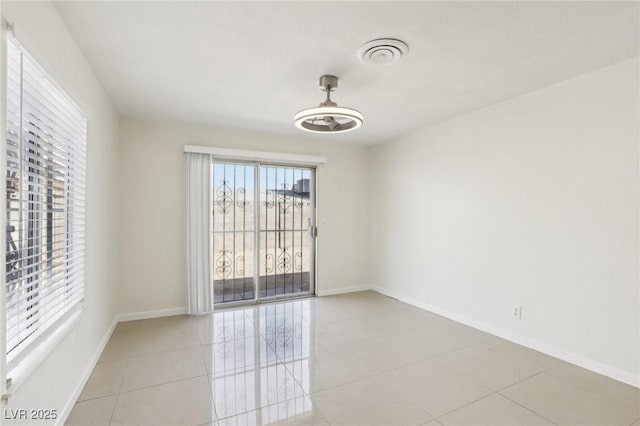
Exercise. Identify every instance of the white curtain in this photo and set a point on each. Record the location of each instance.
(198, 198)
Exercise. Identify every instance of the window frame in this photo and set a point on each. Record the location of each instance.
(50, 333)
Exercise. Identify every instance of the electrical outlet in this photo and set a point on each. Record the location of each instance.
(517, 312)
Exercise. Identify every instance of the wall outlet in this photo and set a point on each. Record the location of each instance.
(517, 312)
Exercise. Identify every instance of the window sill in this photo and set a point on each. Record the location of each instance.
(19, 373)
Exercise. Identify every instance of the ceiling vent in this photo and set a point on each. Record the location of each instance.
(383, 51)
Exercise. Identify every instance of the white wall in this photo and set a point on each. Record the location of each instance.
(152, 265)
(531, 202)
(40, 30)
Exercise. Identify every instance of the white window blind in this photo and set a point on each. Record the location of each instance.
(45, 204)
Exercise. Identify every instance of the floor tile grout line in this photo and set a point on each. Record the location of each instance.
(383, 334)
(549, 372)
(477, 378)
(96, 397)
(528, 408)
(113, 412)
(107, 395)
(400, 367)
(375, 374)
(209, 385)
(432, 417)
(126, 372)
(493, 391)
(352, 318)
(307, 394)
(268, 406)
(386, 333)
(521, 404)
(487, 396)
(460, 349)
(465, 405)
(419, 407)
(164, 351)
(608, 397)
(519, 381)
(279, 362)
(360, 379)
(163, 383)
(284, 364)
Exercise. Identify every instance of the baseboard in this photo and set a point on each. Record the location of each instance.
(152, 314)
(343, 290)
(64, 414)
(590, 364)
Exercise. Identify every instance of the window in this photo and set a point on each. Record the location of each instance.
(45, 198)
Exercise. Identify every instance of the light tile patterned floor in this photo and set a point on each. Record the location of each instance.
(354, 359)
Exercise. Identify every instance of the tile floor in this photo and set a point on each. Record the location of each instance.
(354, 359)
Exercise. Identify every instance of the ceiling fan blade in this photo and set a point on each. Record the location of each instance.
(331, 122)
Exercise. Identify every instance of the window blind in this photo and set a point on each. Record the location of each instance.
(45, 204)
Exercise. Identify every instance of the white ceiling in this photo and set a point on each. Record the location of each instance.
(255, 64)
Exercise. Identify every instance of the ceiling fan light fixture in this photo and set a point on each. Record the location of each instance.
(328, 117)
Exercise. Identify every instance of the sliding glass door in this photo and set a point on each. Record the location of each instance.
(233, 232)
(286, 218)
(271, 208)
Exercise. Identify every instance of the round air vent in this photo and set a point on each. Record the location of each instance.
(383, 51)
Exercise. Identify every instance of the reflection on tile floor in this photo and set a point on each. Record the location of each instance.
(353, 359)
